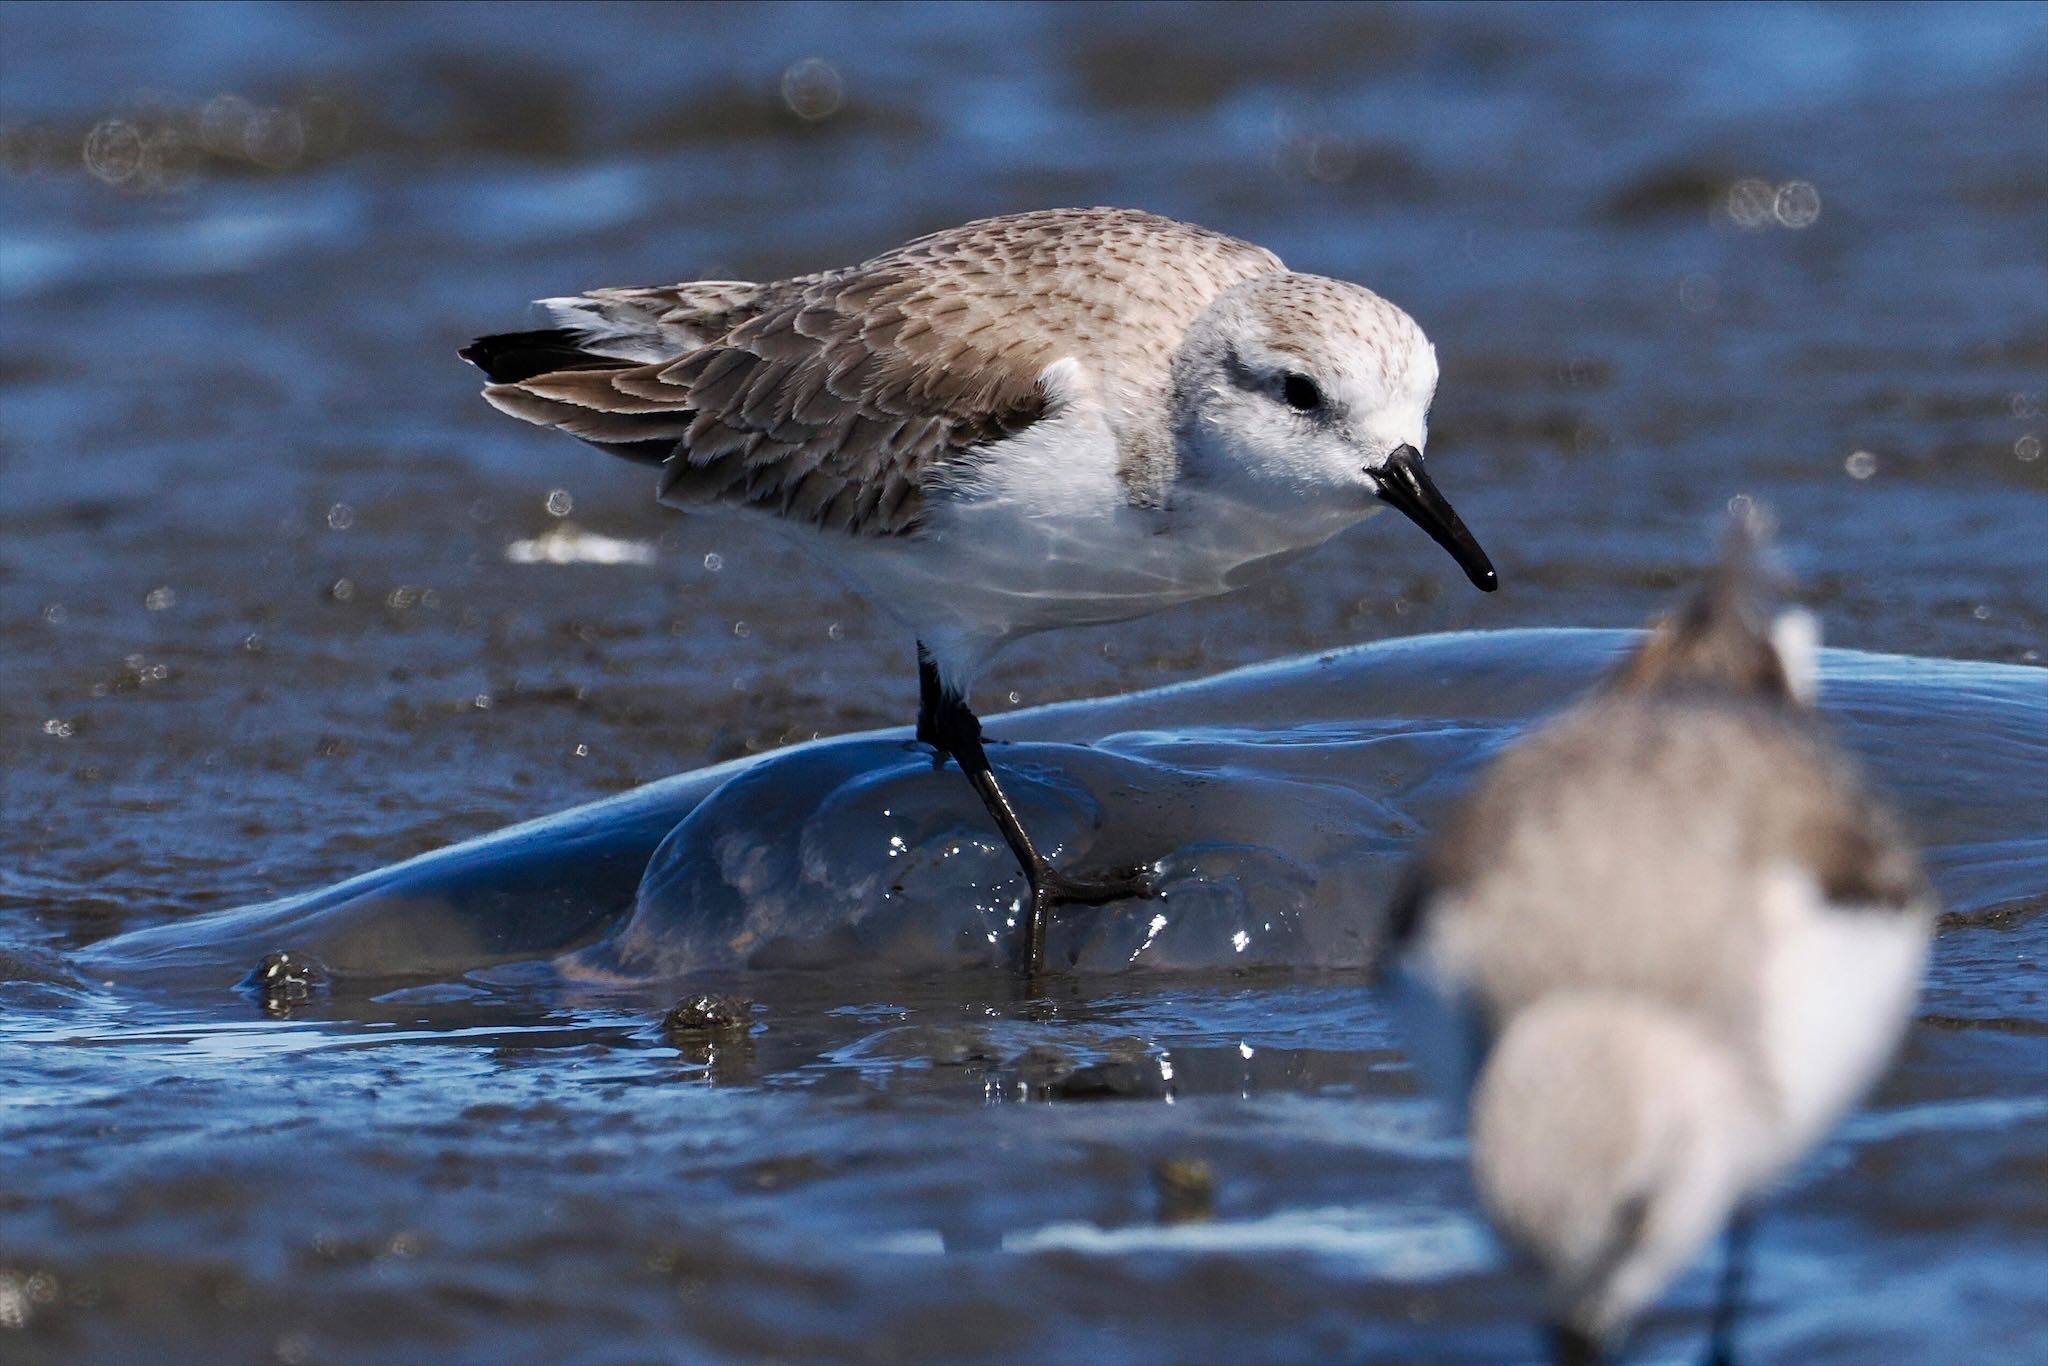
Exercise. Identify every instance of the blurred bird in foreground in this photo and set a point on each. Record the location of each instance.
(1049, 419)
(1660, 950)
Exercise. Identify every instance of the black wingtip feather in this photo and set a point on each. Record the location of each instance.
(508, 357)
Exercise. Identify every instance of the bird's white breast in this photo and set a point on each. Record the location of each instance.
(1039, 531)
(1838, 986)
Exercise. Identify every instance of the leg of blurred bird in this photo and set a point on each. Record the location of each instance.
(1728, 1303)
(1570, 1347)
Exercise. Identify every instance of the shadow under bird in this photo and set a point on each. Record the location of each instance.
(1048, 419)
(1662, 948)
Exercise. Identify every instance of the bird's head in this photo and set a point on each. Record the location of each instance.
(1308, 398)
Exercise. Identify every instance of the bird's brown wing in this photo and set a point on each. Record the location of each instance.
(830, 399)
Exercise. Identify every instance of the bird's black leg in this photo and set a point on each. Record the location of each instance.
(1571, 1347)
(931, 704)
(945, 722)
(1728, 1304)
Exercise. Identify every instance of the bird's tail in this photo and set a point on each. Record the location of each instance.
(509, 357)
(556, 377)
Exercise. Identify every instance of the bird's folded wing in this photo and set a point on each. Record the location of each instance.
(832, 398)
(828, 407)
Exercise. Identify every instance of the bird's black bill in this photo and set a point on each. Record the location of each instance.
(1405, 486)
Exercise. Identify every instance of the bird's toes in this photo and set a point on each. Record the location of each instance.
(1097, 889)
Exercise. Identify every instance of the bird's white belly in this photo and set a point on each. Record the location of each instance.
(987, 572)
(1040, 531)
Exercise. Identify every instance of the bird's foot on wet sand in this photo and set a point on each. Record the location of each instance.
(1051, 890)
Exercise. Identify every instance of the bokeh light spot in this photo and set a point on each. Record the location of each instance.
(113, 151)
(813, 89)
(1797, 204)
(1751, 202)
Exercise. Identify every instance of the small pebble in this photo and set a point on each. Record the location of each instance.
(287, 979)
(1187, 1190)
(701, 1015)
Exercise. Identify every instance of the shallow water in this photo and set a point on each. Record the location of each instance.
(281, 602)
(890, 1157)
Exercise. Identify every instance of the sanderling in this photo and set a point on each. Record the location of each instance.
(1658, 952)
(1048, 419)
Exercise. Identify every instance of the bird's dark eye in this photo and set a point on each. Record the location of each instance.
(1302, 393)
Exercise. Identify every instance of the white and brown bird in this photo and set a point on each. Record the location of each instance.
(1666, 943)
(1048, 419)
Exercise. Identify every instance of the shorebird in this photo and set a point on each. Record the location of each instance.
(1048, 419)
(1661, 949)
